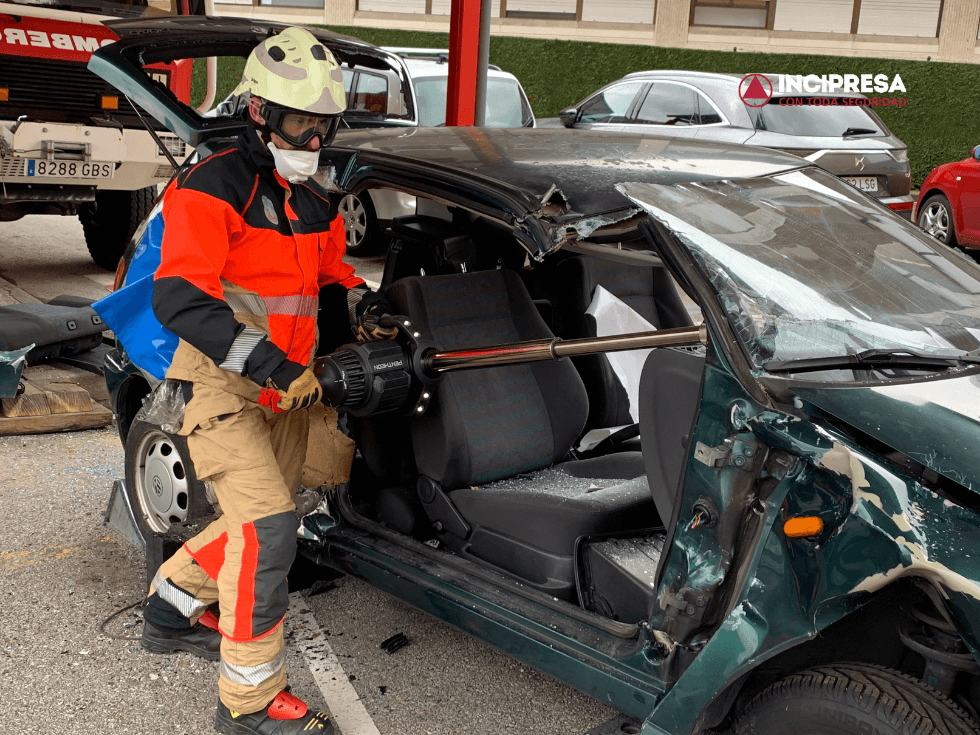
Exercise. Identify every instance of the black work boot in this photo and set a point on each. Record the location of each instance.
(202, 639)
(286, 715)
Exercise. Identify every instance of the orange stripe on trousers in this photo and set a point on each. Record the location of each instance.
(246, 584)
(211, 556)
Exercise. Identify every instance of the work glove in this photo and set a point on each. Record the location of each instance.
(302, 392)
(286, 385)
(371, 327)
(370, 315)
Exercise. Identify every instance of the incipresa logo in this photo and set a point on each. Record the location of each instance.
(757, 90)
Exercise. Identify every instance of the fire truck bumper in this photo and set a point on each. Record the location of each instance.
(51, 155)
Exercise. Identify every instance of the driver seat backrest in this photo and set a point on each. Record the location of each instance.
(487, 424)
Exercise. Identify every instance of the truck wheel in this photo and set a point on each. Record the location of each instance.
(852, 699)
(161, 484)
(111, 221)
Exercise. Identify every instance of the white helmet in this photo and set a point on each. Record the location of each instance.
(293, 69)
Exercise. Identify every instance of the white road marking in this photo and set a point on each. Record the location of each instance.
(342, 699)
(375, 285)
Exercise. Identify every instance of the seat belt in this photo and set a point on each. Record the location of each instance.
(613, 435)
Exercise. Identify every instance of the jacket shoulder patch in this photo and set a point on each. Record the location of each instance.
(269, 210)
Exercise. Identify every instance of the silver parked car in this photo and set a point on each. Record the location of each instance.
(848, 140)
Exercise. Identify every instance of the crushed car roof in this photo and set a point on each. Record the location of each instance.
(584, 165)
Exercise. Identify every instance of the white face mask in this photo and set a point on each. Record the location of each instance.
(295, 166)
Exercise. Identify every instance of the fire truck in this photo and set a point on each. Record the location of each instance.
(70, 144)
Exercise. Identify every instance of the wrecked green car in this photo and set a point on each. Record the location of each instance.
(767, 521)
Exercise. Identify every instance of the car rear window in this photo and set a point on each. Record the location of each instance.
(814, 119)
(505, 103)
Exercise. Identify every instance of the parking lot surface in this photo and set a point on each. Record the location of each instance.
(63, 573)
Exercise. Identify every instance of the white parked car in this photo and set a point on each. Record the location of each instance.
(376, 92)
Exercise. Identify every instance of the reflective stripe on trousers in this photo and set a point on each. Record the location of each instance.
(187, 605)
(252, 676)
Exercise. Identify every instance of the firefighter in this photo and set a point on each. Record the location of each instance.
(250, 240)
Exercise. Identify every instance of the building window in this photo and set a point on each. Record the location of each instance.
(443, 7)
(619, 11)
(547, 9)
(899, 18)
(292, 3)
(732, 13)
(391, 6)
(828, 16)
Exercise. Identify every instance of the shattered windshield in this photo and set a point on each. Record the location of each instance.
(806, 267)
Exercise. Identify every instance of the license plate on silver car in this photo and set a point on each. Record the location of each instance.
(70, 169)
(864, 183)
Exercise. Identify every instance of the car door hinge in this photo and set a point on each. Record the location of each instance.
(732, 452)
(686, 602)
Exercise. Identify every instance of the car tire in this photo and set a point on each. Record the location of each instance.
(360, 224)
(110, 222)
(850, 699)
(936, 217)
(161, 484)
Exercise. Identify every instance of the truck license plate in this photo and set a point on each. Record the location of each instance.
(70, 169)
(864, 183)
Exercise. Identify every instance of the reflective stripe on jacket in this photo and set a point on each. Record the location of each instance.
(239, 239)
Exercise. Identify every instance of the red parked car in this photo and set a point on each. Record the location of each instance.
(949, 202)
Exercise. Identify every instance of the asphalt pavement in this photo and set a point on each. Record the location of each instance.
(63, 574)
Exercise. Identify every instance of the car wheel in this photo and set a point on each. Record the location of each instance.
(162, 486)
(109, 224)
(360, 224)
(936, 218)
(850, 699)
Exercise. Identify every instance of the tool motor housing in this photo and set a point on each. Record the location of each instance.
(367, 378)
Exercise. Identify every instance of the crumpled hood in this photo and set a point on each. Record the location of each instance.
(936, 423)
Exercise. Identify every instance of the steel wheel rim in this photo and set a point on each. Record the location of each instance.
(935, 221)
(355, 219)
(162, 490)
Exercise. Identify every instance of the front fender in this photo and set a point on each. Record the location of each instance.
(880, 525)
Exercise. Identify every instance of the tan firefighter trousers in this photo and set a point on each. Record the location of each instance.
(254, 458)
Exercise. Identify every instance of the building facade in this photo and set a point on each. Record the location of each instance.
(937, 30)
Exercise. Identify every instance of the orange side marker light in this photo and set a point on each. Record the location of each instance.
(110, 103)
(803, 527)
(4, 94)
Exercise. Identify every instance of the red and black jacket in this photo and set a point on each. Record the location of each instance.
(236, 231)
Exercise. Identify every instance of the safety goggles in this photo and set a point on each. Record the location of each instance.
(299, 128)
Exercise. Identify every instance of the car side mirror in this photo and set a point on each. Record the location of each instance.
(976, 151)
(568, 116)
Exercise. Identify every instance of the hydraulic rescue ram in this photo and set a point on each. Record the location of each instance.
(390, 375)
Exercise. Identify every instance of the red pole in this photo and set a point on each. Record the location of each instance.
(464, 42)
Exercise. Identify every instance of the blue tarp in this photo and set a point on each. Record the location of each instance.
(129, 311)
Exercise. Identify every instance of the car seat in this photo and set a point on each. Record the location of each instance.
(647, 290)
(670, 395)
(492, 451)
